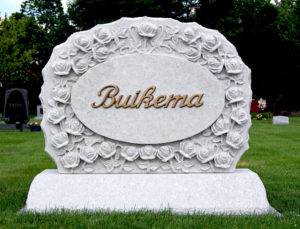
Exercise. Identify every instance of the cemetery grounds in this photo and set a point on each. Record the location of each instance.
(274, 155)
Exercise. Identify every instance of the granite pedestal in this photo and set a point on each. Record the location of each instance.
(241, 192)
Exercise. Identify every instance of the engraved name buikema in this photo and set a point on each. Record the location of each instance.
(109, 97)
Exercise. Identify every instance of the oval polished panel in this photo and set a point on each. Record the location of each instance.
(152, 125)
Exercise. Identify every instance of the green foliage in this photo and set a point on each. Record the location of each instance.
(20, 62)
(86, 14)
(265, 115)
(253, 115)
(273, 155)
(267, 38)
(49, 14)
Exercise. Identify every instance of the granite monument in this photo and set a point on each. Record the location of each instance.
(162, 105)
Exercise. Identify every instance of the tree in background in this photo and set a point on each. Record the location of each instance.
(20, 62)
(264, 35)
(86, 14)
(50, 15)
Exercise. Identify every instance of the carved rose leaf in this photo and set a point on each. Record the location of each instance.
(70, 160)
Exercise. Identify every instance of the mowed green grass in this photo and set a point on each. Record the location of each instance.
(274, 154)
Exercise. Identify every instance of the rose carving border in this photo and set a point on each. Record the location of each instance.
(76, 149)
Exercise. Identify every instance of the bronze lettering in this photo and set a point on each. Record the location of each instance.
(111, 96)
(145, 96)
(198, 102)
(176, 98)
(107, 95)
(158, 100)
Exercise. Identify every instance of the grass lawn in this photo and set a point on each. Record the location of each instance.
(274, 154)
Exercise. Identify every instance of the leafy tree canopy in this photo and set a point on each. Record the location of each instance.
(20, 60)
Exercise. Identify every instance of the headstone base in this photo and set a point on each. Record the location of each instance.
(241, 192)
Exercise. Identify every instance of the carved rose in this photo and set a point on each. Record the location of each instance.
(100, 53)
(147, 30)
(189, 33)
(147, 152)
(80, 64)
(240, 116)
(60, 140)
(61, 67)
(206, 153)
(55, 116)
(234, 95)
(187, 149)
(107, 149)
(72, 126)
(165, 153)
(130, 153)
(215, 64)
(83, 43)
(221, 126)
(193, 53)
(103, 36)
(223, 160)
(70, 160)
(87, 154)
(233, 65)
(234, 139)
(61, 93)
(211, 43)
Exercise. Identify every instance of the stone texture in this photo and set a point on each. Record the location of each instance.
(174, 54)
(281, 120)
(152, 125)
(241, 192)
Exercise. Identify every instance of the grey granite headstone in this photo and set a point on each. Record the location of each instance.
(281, 120)
(16, 106)
(163, 105)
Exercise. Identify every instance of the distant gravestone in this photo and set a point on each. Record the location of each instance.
(163, 105)
(16, 106)
(281, 120)
(39, 112)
